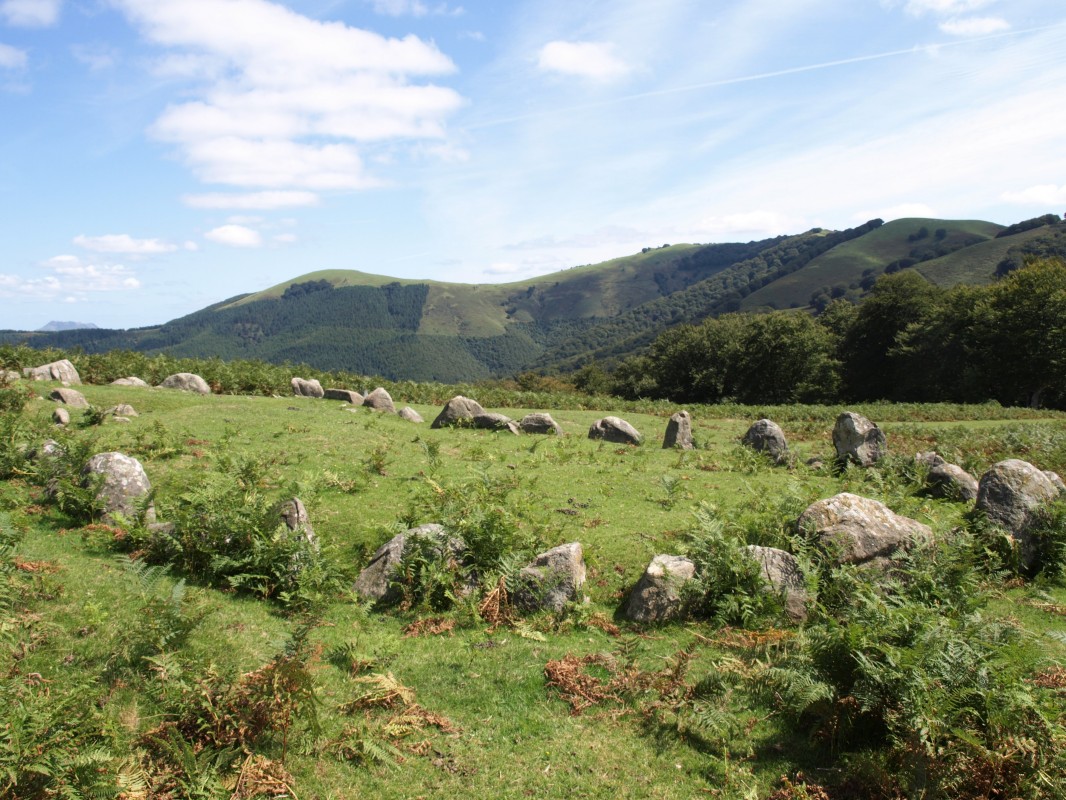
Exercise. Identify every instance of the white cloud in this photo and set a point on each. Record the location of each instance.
(974, 26)
(95, 56)
(12, 57)
(30, 13)
(1046, 194)
(945, 8)
(70, 276)
(289, 99)
(593, 60)
(398, 8)
(258, 201)
(125, 244)
(235, 236)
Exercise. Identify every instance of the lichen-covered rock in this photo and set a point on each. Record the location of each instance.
(952, 482)
(858, 440)
(61, 370)
(540, 422)
(375, 581)
(614, 429)
(302, 387)
(458, 411)
(552, 579)
(679, 432)
(69, 397)
(781, 572)
(345, 395)
(410, 414)
(123, 487)
(657, 597)
(1012, 494)
(766, 436)
(186, 382)
(132, 380)
(858, 530)
(123, 410)
(61, 417)
(380, 400)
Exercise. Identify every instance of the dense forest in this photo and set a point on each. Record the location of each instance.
(909, 341)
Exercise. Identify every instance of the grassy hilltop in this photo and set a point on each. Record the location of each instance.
(243, 681)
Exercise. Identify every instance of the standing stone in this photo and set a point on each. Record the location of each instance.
(123, 410)
(380, 400)
(61, 370)
(657, 595)
(124, 485)
(858, 440)
(410, 414)
(679, 432)
(375, 581)
(1012, 493)
(781, 572)
(952, 482)
(552, 579)
(306, 388)
(457, 411)
(294, 514)
(491, 421)
(69, 397)
(130, 381)
(540, 423)
(613, 429)
(347, 395)
(930, 459)
(766, 436)
(186, 382)
(61, 417)
(858, 530)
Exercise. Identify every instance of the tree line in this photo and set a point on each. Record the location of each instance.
(909, 341)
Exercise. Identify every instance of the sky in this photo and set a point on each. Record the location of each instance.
(158, 156)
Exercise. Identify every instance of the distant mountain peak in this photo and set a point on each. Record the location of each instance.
(54, 326)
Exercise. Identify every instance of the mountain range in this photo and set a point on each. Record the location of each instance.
(449, 332)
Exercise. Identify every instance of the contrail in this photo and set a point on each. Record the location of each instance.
(761, 76)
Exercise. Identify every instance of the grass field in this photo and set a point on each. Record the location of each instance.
(466, 712)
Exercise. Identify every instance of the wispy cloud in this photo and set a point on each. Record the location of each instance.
(123, 243)
(414, 8)
(30, 13)
(289, 100)
(70, 278)
(12, 57)
(591, 60)
(235, 236)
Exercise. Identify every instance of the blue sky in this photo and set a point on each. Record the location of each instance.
(157, 156)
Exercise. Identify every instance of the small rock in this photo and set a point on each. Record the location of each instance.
(540, 423)
(952, 482)
(858, 440)
(61, 417)
(410, 414)
(781, 572)
(186, 382)
(306, 388)
(375, 581)
(380, 400)
(679, 432)
(552, 579)
(1012, 493)
(347, 395)
(123, 410)
(1056, 481)
(124, 485)
(614, 429)
(858, 530)
(62, 371)
(458, 411)
(130, 381)
(766, 436)
(70, 397)
(294, 515)
(657, 597)
(929, 459)
(490, 421)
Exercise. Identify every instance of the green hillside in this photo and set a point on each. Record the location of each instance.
(435, 330)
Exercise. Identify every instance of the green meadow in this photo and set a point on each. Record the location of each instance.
(127, 673)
